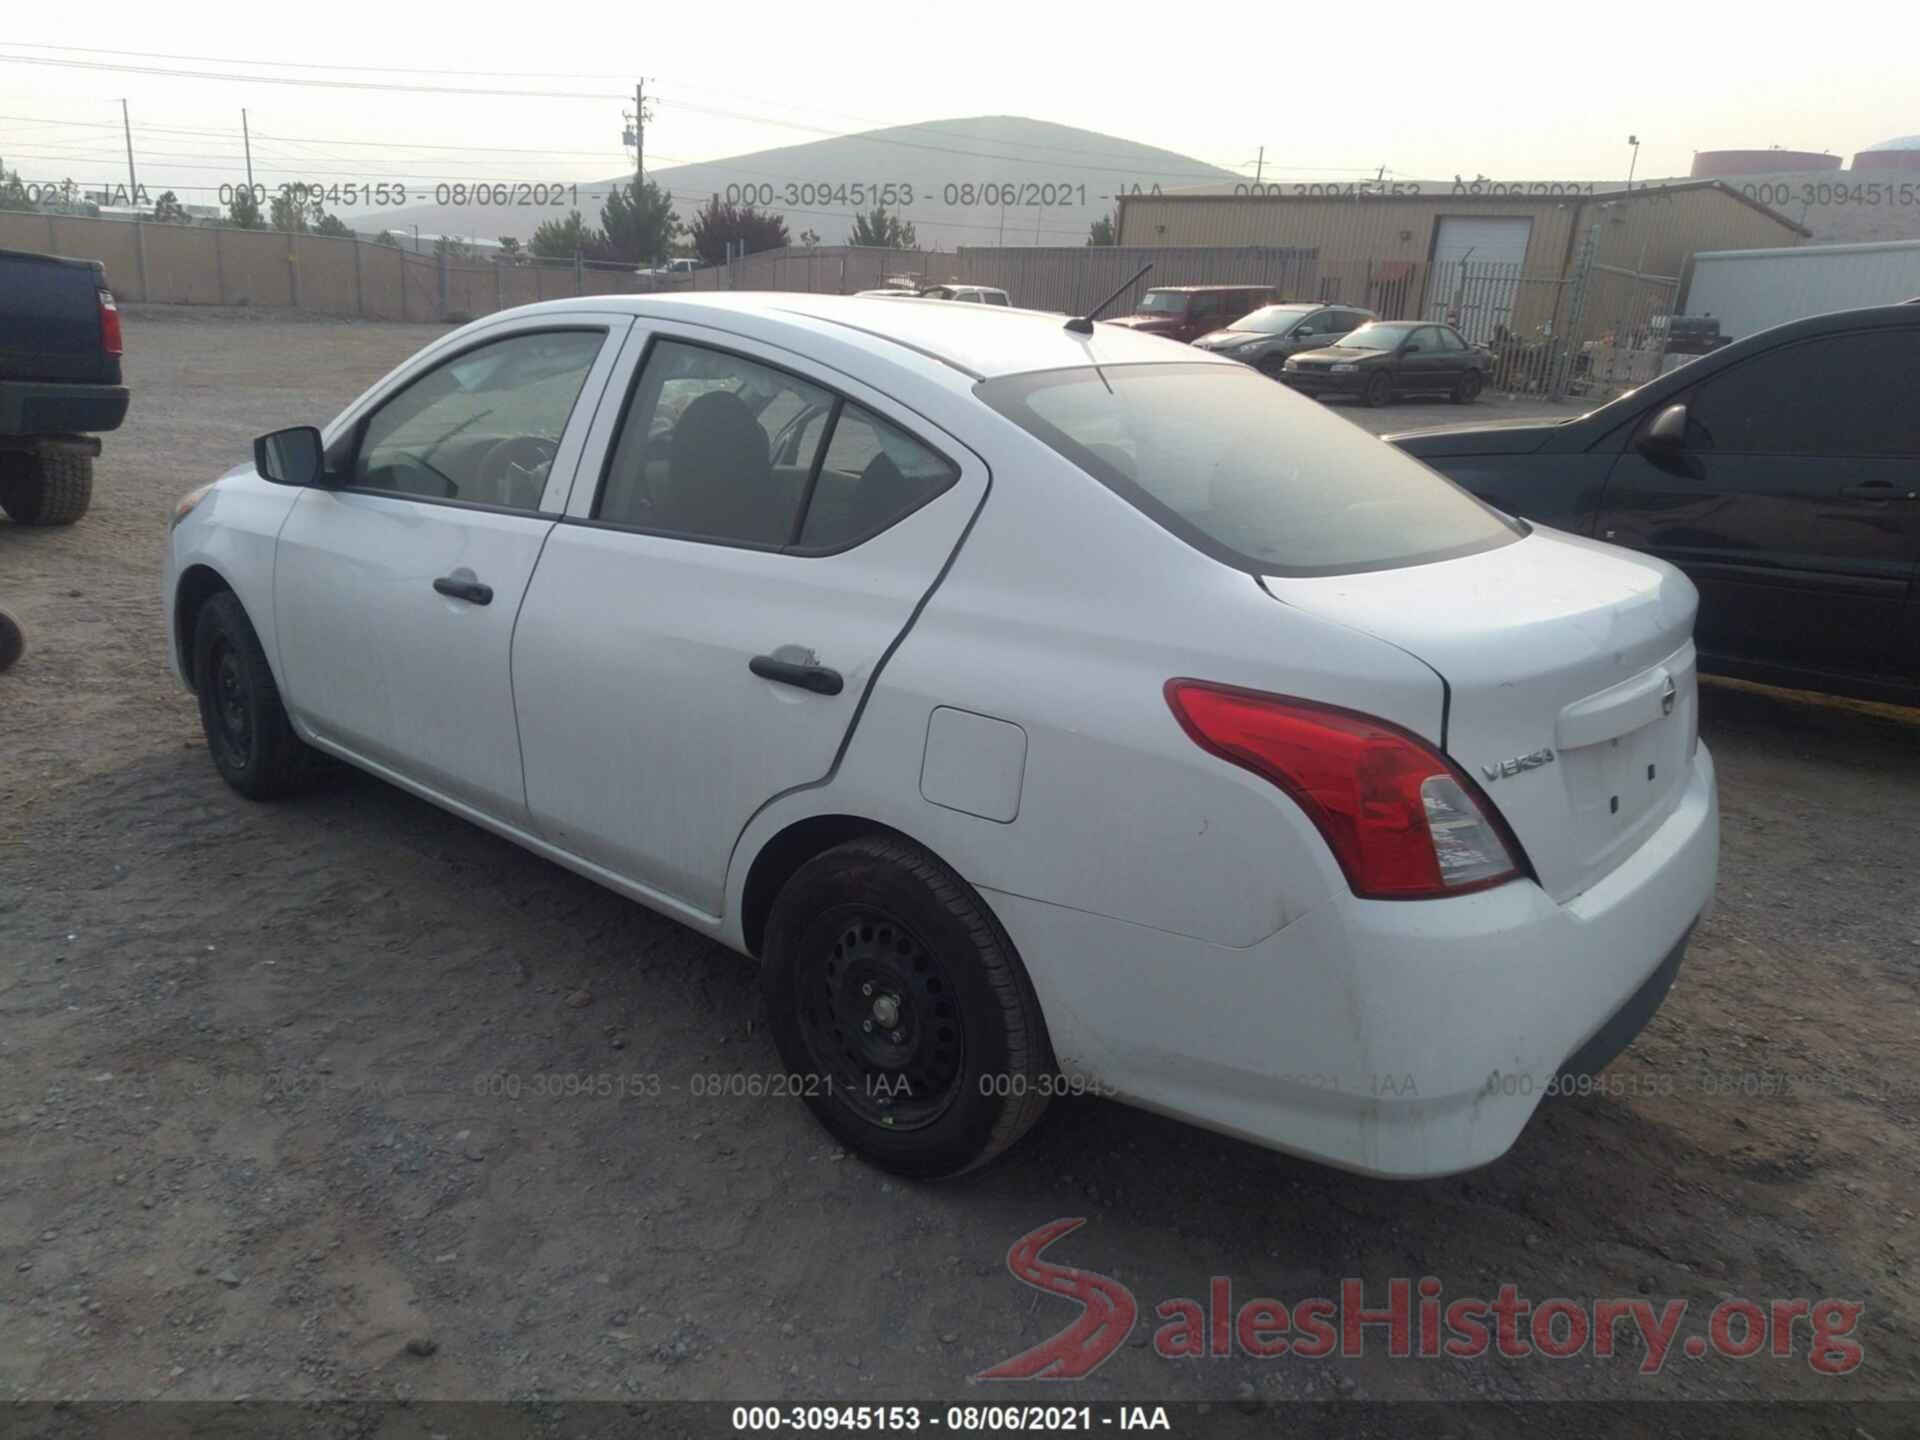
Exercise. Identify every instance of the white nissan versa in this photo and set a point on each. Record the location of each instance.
(1046, 706)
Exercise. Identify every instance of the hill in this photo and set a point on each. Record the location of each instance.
(986, 180)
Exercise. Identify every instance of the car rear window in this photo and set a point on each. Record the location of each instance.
(1245, 470)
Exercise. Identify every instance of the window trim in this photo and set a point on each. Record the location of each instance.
(482, 341)
(841, 400)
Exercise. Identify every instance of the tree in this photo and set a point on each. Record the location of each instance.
(13, 191)
(287, 211)
(639, 224)
(168, 210)
(1102, 232)
(510, 248)
(563, 239)
(720, 229)
(810, 238)
(387, 238)
(453, 248)
(243, 211)
(331, 225)
(882, 231)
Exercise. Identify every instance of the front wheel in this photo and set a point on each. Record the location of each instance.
(899, 1007)
(1467, 388)
(1379, 390)
(248, 735)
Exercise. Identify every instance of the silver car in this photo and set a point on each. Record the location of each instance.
(1270, 334)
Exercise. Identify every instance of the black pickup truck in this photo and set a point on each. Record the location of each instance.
(1781, 473)
(59, 383)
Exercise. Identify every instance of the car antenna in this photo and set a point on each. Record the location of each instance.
(1083, 324)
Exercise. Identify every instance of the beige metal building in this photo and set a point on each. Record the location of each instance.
(1500, 264)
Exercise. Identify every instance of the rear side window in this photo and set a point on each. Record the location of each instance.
(1252, 475)
(873, 474)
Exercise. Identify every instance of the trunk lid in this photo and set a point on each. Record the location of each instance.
(1571, 687)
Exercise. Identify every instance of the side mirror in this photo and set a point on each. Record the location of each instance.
(293, 456)
(1305, 330)
(1667, 435)
(1412, 349)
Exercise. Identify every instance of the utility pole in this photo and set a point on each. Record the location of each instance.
(246, 138)
(1634, 161)
(133, 185)
(639, 137)
(1260, 165)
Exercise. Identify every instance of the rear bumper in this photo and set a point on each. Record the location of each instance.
(1399, 1040)
(40, 407)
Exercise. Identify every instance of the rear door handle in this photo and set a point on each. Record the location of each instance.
(817, 678)
(461, 587)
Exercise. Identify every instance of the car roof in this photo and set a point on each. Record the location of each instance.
(1194, 289)
(979, 341)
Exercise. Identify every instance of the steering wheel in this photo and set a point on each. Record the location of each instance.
(515, 470)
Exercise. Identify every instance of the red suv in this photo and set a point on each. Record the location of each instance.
(1186, 312)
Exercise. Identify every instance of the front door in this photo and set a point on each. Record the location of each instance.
(1791, 504)
(397, 585)
(705, 622)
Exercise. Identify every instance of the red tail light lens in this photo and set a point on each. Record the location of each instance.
(110, 340)
(1403, 822)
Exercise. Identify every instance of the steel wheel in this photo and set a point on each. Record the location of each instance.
(879, 1014)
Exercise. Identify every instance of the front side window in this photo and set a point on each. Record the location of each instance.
(1838, 395)
(1255, 477)
(996, 297)
(482, 428)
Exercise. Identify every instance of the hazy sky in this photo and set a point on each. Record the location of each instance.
(1509, 91)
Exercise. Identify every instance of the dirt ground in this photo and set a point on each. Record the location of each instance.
(345, 1098)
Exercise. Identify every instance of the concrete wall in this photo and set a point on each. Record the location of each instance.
(197, 265)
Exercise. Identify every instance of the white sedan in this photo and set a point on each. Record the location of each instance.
(1047, 707)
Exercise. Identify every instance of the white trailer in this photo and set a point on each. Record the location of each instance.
(1749, 290)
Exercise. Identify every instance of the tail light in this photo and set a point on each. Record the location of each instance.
(110, 340)
(1403, 822)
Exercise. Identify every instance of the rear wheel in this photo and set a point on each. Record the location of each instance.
(1467, 388)
(898, 1004)
(248, 735)
(1379, 389)
(51, 487)
(13, 641)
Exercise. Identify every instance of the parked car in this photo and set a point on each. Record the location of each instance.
(681, 267)
(999, 816)
(1781, 473)
(1186, 312)
(60, 383)
(1390, 358)
(1267, 336)
(967, 294)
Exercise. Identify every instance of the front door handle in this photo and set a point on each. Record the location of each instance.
(1874, 490)
(464, 587)
(817, 678)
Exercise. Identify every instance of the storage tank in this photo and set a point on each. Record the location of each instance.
(1717, 164)
(1900, 154)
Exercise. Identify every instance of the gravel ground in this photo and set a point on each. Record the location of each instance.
(306, 1101)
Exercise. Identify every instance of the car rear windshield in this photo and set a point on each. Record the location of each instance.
(1162, 302)
(1247, 471)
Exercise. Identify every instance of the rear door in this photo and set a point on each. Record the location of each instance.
(727, 582)
(396, 588)
(1790, 505)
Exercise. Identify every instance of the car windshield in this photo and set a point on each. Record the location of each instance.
(1273, 319)
(1377, 336)
(1245, 470)
(1162, 302)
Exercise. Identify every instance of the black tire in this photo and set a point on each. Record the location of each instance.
(248, 735)
(51, 488)
(1466, 389)
(1379, 390)
(13, 641)
(879, 922)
